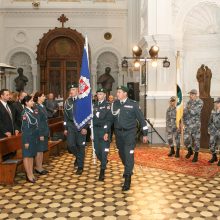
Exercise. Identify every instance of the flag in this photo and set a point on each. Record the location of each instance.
(179, 106)
(83, 110)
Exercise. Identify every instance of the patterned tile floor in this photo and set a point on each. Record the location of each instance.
(155, 194)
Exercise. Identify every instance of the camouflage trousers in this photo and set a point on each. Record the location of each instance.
(192, 135)
(214, 137)
(173, 135)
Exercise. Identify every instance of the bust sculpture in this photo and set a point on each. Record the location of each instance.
(20, 81)
(106, 80)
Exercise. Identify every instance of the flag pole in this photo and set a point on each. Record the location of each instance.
(178, 86)
(91, 124)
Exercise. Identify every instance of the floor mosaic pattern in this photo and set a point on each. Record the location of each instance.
(155, 194)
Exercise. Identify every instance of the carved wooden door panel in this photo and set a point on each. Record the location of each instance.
(61, 74)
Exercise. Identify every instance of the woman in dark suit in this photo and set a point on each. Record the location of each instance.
(30, 136)
(39, 99)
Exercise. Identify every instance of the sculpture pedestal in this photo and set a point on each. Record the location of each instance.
(205, 115)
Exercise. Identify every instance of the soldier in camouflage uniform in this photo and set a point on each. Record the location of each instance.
(214, 130)
(192, 123)
(125, 113)
(101, 114)
(171, 128)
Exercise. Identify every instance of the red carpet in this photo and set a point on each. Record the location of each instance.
(157, 158)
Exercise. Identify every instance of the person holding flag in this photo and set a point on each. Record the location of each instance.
(78, 113)
(76, 139)
(101, 115)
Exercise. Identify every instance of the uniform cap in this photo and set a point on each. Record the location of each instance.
(101, 90)
(172, 98)
(73, 86)
(217, 100)
(193, 91)
(123, 88)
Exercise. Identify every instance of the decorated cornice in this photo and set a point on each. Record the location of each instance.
(73, 11)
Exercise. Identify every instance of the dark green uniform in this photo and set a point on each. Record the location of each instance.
(75, 140)
(101, 114)
(43, 127)
(125, 116)
(30, 132)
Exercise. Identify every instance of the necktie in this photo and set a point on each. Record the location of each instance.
(122, 103)
(99, 103)
(9, 111)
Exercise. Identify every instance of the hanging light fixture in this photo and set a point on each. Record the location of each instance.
(154, 50)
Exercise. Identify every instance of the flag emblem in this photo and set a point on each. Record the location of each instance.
(84, 87)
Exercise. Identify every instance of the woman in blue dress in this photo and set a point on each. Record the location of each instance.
(30, 136)
(39, 99)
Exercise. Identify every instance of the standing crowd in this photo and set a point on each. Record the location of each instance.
(191, 127)
(29, 115)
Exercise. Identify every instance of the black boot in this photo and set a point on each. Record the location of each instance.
(102, 175)
(218, 164)
(195, 158)
(172, 152)
(190, 153)
(177, 153)
(213, 159)
(127, 183)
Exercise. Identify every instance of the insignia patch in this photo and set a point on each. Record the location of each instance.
(108, 107)
(24, 117)
(128, 106)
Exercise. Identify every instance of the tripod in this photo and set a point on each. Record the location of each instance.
(154, 130)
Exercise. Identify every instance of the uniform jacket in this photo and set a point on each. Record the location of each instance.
(42, 120)
(192, 113)
(69, 111)
(29, 124)
(171, 119)
(125, 115)
(214, 122)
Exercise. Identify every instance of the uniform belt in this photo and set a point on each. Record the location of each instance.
(99, 126)
(124, 129)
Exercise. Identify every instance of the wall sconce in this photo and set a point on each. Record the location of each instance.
(36, 4)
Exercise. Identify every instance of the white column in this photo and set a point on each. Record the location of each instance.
(93, 78)
(133, 23)
(1, 36)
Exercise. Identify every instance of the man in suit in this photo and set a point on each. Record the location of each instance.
(7, 125)
(17, 108)
(51, 106)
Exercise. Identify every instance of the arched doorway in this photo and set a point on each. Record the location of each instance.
(59, 54)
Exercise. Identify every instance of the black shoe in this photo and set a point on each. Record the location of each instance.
(127, 183)
(172, 152)
(30, 180)
(195, 158)
(79, 171)
(218, 164)
(42, 172)
(213, 159)
(190, 153)
(102, 175)
(177, 155)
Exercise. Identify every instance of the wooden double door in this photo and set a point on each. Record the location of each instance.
(59, 54)
(61, 74)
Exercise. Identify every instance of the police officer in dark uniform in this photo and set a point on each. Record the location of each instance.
(76, 140)
(30, 136)
(39, 99)
(101, 114)
(125, 113)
